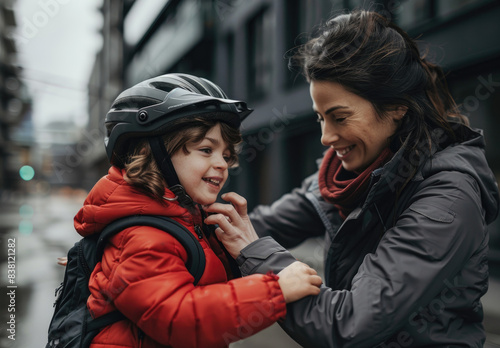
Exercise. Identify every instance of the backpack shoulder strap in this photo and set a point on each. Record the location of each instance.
(195, 264)
(196, 257)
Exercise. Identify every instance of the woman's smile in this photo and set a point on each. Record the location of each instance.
(344, 151)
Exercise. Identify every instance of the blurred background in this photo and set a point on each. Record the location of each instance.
(62, 63)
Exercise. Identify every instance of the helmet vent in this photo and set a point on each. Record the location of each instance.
(164, 86)
(134, 103)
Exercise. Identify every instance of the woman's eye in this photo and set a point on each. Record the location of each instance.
(319, 119)
(340, 119)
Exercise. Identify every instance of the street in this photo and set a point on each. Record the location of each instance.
(37, 273)
(28, 293)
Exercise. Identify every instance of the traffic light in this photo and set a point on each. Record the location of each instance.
(27, 173)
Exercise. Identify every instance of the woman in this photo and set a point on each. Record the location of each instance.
(403, 198)
(171, 140)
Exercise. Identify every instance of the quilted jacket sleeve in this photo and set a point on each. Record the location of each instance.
(291, 219)
(148, 282)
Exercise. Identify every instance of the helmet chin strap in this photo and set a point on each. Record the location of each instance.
(168, 171)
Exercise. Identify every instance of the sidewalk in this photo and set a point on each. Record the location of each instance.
(491, 305)
(36, 251)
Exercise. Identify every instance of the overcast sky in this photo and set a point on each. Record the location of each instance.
(57, 42)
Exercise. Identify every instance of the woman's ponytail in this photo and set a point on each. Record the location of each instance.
(438, 93)
(436, 87)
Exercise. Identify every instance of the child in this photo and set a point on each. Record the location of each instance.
(171, 140)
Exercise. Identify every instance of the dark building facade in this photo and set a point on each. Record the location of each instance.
(15, 117)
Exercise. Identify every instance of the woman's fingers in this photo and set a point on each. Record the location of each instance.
(221, 220)
(235, 229)
(234, 211)
(226, 210)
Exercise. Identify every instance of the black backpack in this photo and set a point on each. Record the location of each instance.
(72, 325)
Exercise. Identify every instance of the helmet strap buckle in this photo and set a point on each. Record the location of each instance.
(184, 199)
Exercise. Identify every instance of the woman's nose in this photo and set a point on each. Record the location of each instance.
(329, 134)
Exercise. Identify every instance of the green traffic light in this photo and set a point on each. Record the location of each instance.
(27, 173)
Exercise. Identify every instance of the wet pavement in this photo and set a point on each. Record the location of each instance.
(41, 227)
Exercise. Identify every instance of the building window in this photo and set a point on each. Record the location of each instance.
(261, 48)
(301, 19)
(230, 62)
(447, 7)
(475, 92)
(304, 148)
(252, 178)
(413, 13)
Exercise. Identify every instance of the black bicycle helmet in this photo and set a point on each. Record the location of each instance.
(149, 109)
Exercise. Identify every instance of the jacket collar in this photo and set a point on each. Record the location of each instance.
(395, 172)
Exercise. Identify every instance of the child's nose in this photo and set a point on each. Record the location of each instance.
(220, 162)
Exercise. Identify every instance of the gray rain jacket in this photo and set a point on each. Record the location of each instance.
(406, 277)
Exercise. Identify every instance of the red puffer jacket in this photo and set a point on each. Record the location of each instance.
(143, 275)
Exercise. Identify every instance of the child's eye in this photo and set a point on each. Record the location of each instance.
(231, 159)
(228, 157)
(319, 119)
(206, 150)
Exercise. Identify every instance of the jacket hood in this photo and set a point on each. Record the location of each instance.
(112, 198)
(469, 157)
(466, 156)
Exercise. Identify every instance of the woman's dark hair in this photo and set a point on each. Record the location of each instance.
(375, 59)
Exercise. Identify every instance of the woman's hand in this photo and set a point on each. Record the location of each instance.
(298, 280)
(235, 230)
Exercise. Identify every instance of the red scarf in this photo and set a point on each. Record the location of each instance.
(342, 188)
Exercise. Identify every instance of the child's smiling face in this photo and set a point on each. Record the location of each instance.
(204, 169)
